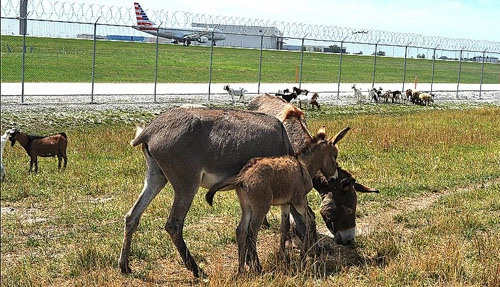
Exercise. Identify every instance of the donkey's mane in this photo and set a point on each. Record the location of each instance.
(311, 145)
(290, 111)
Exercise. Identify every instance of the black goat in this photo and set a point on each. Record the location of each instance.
(286, 95)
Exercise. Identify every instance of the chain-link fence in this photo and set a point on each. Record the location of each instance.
(472, 62)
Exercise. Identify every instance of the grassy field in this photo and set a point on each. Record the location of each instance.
(70, 60)
(436, 221)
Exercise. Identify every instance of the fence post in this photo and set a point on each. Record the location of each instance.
(211, 61)
(23, 17)
(404, 68)
(301, 60)
(260, 62)
(433, 65)
(156, 62)
(93, 60)
(459, 71)
(375, 63)
(340, 66)
(22, 69)
(482, 75)
(23, 25)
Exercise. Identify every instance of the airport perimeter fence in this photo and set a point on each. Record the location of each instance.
(482, 64)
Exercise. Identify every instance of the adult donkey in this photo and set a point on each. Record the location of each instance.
(338, 214)
(193, 147)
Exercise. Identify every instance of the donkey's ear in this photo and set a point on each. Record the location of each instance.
(339, 136)
(363, 188)
(347, 183)
(321, 134)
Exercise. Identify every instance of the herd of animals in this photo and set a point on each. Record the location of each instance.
(409, 96)
(297, 96)
(301, 97)
(266, 153)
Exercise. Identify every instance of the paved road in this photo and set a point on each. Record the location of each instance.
(75, 93)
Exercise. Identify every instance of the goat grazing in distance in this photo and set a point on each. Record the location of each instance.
(289, 96)
(397, 96)
(374, 94)
(415, 97)
(286, 95)
(419, 98)
(308, 99)
(408, 95)
(300, 91)
(282, 180)
(358, 96)
(236, 92)
(3, 142)
(426, 98)
(44, 146)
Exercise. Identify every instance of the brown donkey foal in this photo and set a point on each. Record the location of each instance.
(279, 180)
(44, 146)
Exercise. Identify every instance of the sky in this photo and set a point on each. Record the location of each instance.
(472, 19)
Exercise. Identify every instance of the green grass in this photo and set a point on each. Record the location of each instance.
(65, 228)
(70, 60)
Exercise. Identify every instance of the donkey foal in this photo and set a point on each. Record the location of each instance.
(281, 180)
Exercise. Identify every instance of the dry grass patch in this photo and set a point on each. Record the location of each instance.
(65, 228)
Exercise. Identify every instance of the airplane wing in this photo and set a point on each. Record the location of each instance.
(181, 34)
(195, 35)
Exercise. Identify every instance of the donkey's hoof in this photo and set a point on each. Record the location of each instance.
(125, 268)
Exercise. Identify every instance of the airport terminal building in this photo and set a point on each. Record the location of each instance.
(248, 36)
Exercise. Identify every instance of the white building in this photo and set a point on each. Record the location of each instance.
(248, 36)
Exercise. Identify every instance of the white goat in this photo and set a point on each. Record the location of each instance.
(373, 94)
(240, 92)
(3, 142)
(358, 96)
(306, 99)
(426, 98)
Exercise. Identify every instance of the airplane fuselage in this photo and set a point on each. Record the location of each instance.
(179, 34)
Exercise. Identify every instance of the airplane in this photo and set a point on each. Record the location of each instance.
(185, 35)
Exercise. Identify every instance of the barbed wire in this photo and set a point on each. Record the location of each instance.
(89, 13)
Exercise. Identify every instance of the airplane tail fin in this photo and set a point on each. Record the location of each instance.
(140, 15)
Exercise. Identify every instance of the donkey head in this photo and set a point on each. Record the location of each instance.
(328, 162)
(338, 206)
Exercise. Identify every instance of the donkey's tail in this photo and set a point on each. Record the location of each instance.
(136, 139)
(226, 184)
